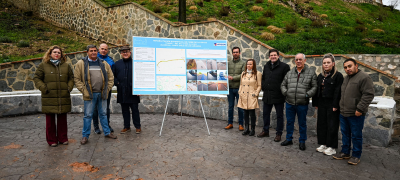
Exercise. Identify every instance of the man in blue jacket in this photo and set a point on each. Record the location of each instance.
(103, 54)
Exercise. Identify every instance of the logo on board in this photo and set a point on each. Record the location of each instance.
(219, 44)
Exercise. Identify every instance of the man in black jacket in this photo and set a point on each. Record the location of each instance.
(273, 74)
(122, 70)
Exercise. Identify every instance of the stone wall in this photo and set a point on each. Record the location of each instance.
(378, 126)
(17, 76)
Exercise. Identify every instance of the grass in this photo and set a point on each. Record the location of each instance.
(337, 31)
(23, 36)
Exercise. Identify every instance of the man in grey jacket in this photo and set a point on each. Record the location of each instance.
(299, 84)
(357, 94)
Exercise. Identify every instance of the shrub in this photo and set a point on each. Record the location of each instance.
(259, 1)
(291, 27)
(358, 21)
(257, 8)
(277, 30)
(270, 27)
(197, 18)
(360, 28)
(200, 3)
(4, 58)
(194, 8)
(269, 13)
(207, 0)
(224, 11)
(262, 21)
(324, 16)
(267, 36)
(157, 9)
(317, 23)
(378, 30)
(369, 45)
(5, 39)
(23, 44)
(211, 19)
(166, 15)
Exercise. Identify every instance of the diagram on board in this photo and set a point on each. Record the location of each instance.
(170, 61)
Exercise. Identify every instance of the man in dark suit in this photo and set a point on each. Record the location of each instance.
(273, 74)
(122, 70)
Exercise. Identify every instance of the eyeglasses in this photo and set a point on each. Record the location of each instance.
(124, 52)
(298, 59)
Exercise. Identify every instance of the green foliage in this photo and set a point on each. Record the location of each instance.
(23, 43)
(5, 39)
(291, 27)
(262, 21)
(317, 23)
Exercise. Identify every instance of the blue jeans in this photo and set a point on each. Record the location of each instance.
(351, 128)
(89, 106)
(301, 111)
(234, 93)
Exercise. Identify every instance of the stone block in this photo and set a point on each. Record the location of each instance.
(12, 74)
(379, 90)
(2, 74)
(374, 77)
(29, 85)
(18, 85)
(386, 80)
(27, 65)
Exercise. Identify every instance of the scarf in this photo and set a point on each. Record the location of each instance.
(55, 62)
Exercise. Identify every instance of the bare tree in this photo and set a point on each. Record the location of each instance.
(393, 4)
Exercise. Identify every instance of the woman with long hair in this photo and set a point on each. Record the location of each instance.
(55, 79)
(326, 101)
(250, 87)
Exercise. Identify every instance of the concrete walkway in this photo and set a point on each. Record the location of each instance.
(185, 152)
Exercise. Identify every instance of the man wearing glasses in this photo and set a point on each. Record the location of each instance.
(299, 84)
(122, 70)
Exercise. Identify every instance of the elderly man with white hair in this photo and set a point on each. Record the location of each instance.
(299, 84)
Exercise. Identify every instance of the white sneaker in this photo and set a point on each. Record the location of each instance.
(322, 148)
(330, 151)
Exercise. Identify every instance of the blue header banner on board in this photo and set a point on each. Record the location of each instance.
(179, 66)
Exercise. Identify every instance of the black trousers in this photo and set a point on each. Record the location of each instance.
(96, 113)
(252, 114)
(267, 117)
(135, 114)
(328, 126)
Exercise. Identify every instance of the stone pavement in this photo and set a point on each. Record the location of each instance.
(182, 152)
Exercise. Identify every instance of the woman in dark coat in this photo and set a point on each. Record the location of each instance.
(55, 79)
(326, 100)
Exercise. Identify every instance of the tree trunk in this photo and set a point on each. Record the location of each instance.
(182, 11)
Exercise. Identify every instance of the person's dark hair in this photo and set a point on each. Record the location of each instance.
(91, 46)
(235, 48)
(352, 60)
(273, 50)
(254, 69)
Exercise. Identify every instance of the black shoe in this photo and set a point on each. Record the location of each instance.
(97, 130)
(111, 129)
(286, 143)
(302, 146)
(246, 132)
(252, 132)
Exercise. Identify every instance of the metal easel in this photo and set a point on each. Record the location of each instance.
(165, 112)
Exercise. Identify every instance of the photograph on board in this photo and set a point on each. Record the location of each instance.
(202, 74)
(212, 86)
(222, 75)
(191, 74)
(212, 64)
(202, 86)
(221, 65)
(192, 85)
(222, 85)
(201, 64)
(191, 64)
(212, 75)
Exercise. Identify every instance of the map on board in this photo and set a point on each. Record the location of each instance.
(170, 61)
(171, 83)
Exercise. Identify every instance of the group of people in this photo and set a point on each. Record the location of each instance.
(338, 100)
(94, 76)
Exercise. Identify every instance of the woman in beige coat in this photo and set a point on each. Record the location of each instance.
(250, 87)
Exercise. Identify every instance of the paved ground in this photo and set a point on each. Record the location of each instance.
(182, 152)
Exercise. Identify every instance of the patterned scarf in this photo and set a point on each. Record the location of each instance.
(55, 62)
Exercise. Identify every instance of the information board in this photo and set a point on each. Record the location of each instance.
(179, 66)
